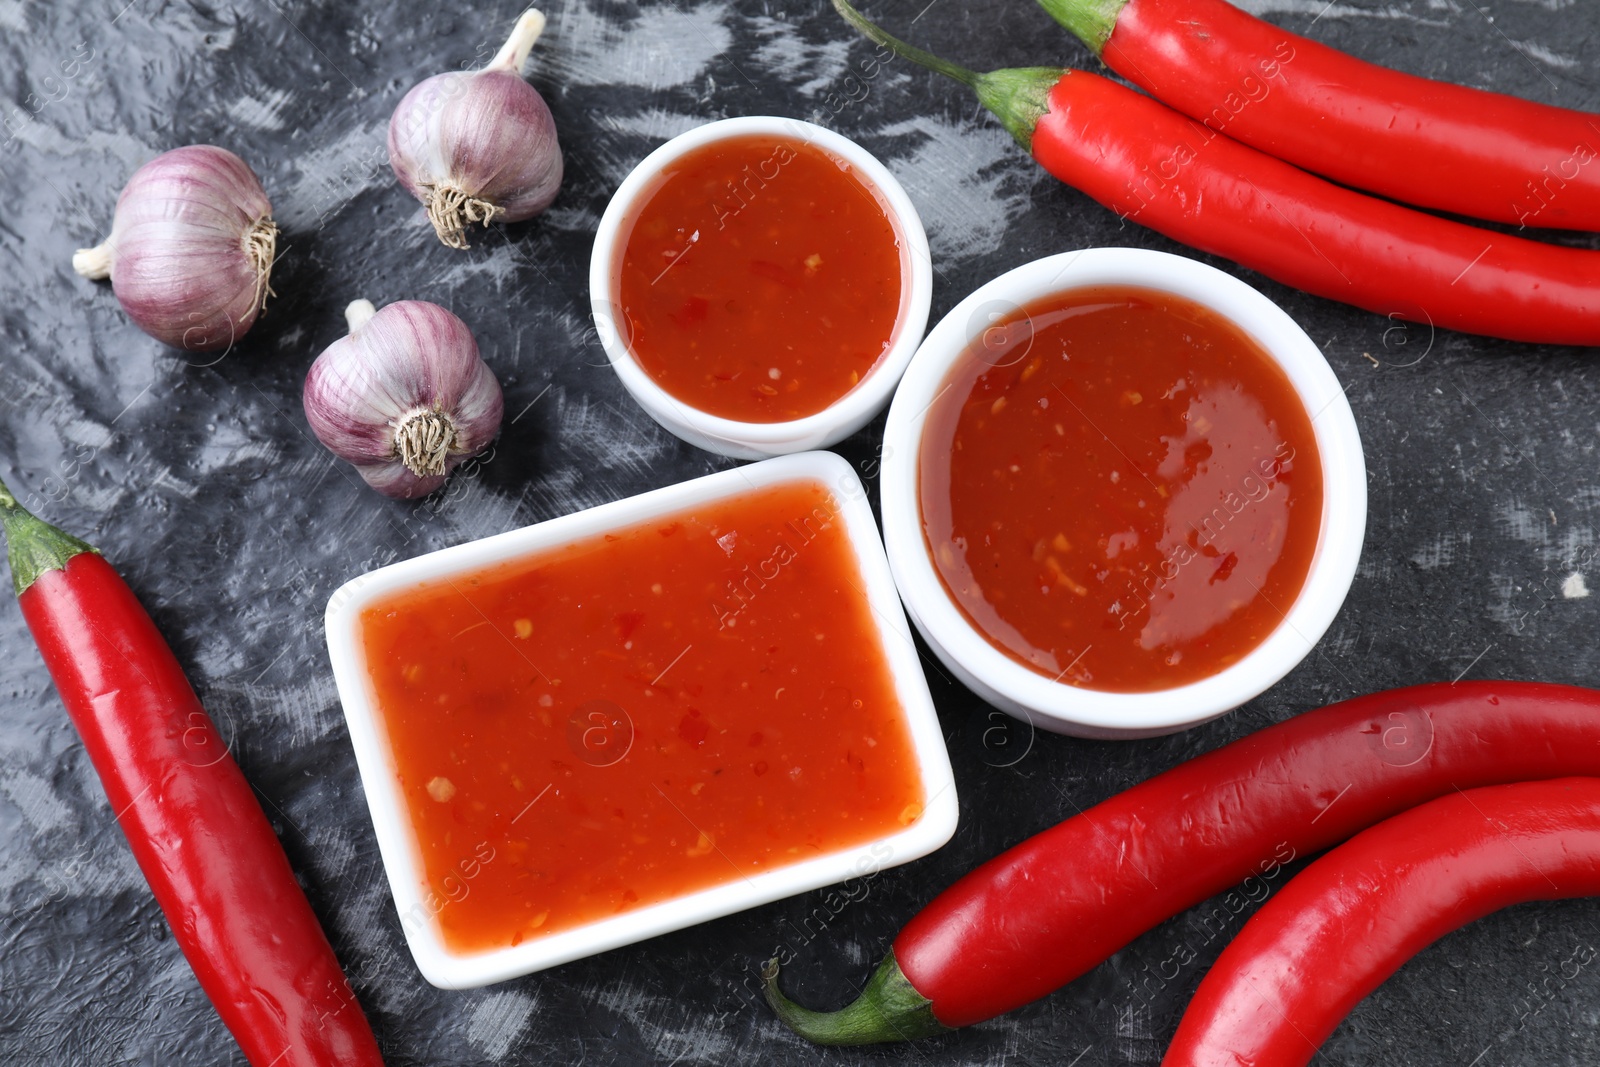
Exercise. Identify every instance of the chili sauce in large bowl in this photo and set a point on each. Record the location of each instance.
(761, 278)
(1120, 489)
(639, 715)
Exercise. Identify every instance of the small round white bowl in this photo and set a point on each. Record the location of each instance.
(758, 440)
(1057, 706)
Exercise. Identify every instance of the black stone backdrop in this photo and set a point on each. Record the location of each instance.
(202, 484)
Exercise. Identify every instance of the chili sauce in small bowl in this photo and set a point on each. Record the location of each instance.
(760, 285)
(1135, 489)
(1119, 488)
(635, 718)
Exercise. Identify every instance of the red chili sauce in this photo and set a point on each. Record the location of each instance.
(640, 715)
(1121, 489)
(760, 279)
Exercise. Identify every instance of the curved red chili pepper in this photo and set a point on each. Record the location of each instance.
(194, 826)
(1425, 142)
(1347, 922)
(1034, 918)
(1148, 163)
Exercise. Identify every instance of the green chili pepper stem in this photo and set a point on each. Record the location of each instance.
(1091, 21)
(33, 545)
(904, 50)
(888, 1009)
(1018, 96)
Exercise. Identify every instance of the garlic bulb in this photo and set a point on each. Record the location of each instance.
(475, 146)
(191, 248)
(405, 396)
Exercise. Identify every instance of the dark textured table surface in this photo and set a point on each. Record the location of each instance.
(234, 526)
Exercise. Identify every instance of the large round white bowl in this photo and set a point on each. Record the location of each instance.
(1034, 697)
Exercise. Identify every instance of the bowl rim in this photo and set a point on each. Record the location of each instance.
(753, 439)
(1066, 708)
(397, 846)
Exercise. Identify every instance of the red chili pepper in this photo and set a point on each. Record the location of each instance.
(1034, 918)
(200, 838)
(1425, 142)
(1348, 921)
(1149, 163)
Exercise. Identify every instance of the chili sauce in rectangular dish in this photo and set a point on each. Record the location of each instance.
(640, 715)
(761, 279)
(1120, 489)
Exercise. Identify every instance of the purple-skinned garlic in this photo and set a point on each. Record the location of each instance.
(476, 146)
(191, 248)
(404, 396)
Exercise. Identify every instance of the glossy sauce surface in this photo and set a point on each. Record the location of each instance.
(760, 279)
(1120, 489)
(640, 715)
